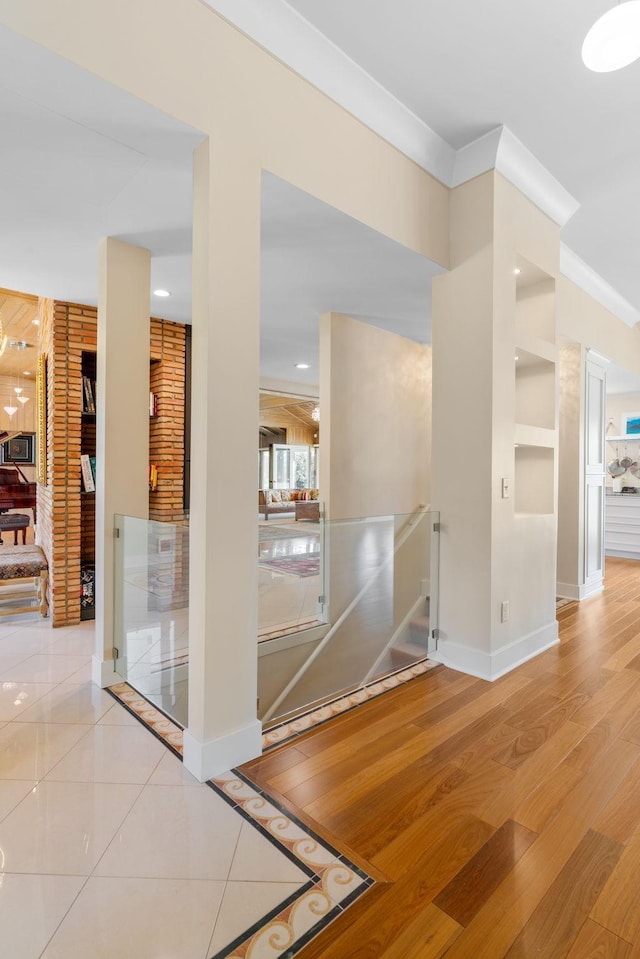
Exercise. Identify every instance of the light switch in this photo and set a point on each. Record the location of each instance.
(506, 487)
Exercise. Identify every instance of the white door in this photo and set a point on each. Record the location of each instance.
(594, 476)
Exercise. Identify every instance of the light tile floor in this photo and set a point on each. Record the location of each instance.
(108, 846)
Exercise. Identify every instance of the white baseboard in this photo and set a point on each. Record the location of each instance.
(623, 554)
(574, 591)
(492, 666)
(103, 673)
(205, 760)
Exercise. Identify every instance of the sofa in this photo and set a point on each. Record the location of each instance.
(275, 502)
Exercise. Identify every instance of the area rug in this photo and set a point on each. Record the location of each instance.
(307, 565)
(269, 532)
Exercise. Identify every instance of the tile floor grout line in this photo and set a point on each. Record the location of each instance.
(66, 913)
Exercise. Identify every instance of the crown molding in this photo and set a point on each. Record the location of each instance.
(576, 270)
(502, 151)
(285, 34)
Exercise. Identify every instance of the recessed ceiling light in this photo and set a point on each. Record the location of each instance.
(517, 357)
(36, 322)
(517, 271)
(161, 293)
(26, 372)
(302, 366)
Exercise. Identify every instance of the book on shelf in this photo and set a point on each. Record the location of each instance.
(153, 478)
(88, 481)
(88, 395)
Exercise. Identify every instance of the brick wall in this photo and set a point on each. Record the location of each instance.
(166, 431)
(66, 517)
(67, 329)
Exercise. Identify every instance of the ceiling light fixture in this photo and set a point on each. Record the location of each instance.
(161, 293)
(613, 41)
(517, 271)
(27, 372)
(302, 366)
(10, 410)
(315, 414)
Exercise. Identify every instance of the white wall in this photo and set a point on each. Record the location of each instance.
(375, 404)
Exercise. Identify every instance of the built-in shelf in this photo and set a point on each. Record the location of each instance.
(535, 394)
(535, 302)
(534, 479)
(87, 497)
(534, 436)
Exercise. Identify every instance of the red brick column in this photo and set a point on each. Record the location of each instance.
(66, 517)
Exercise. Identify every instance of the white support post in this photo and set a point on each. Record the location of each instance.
(223, 730)
(122, 421)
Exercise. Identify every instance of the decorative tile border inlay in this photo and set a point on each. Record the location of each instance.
(302, 724)
(165, 729)
(334, 882)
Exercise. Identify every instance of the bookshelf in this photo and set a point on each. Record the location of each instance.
(87, 497)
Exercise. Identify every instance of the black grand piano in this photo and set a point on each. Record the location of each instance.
(16, 492)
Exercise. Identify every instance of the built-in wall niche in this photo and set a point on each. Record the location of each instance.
(535, 390)
(534, 480)
(535, 301)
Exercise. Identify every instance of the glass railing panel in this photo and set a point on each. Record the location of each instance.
(290, 568)
(152, 610)
(379, 592)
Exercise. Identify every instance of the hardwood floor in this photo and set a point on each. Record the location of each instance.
(499, 819)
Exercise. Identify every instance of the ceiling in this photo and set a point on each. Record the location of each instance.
(80, 159)
(282, 412)
(315, 259)
(19, 315)
(464, 68)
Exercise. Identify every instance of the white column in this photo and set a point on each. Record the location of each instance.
(122, 420)
(495, 430)
(223, 729)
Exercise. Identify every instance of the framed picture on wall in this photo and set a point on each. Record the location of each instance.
(19, 450)
(631, 424)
